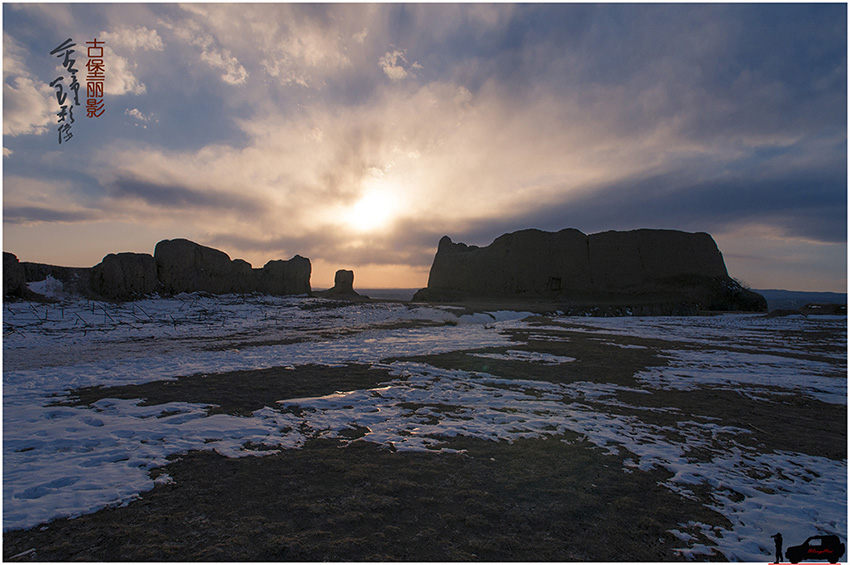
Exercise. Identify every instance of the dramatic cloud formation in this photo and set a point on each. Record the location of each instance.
(121, 78)
(26, 101)
(358, 135)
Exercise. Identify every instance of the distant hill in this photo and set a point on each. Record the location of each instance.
(792, 299)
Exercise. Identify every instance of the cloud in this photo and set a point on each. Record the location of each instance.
(133, 39)
(361, 36)
(46, 214)
(767, 255)
(211, 189)
(119, 70)
(296, 44)
(28, 200)
(13, 57)
(29, 105)
(26, 107)
(414, 245)
(476, 119)
(120, 75)
(438, 150)
(216, 57)
(136, 114)
(234, 73)
(289, 169)
(305, 56)
(396, 67)
(179, 199)
(484, 162)
(807, 204)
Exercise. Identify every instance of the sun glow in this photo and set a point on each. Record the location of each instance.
(375, 210)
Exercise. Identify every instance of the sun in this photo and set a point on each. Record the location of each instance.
(374, 210)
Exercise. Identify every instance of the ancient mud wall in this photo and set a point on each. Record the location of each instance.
(642, 265)
(177, 265)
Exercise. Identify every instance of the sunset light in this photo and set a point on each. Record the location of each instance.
(374, 211)
(396, 124)
(433, 282)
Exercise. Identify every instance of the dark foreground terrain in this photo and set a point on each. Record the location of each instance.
(533, 500)
(551, 498)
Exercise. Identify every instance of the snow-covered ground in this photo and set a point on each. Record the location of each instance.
(65, 461)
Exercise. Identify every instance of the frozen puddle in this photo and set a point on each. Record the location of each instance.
(64, 461)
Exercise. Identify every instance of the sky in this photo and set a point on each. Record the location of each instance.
(357, 135)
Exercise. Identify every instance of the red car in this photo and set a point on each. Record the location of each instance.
(822, 548)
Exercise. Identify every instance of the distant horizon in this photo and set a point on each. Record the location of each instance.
(365, 289)
(357, 135)
(329, 275)
(358, 287)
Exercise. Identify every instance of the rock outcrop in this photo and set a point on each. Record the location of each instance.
(641, 267)
(177, 265)
(125, 275)
(343, 287)
(185, 266)
(14, 277)
(285, 277)
(344, 282)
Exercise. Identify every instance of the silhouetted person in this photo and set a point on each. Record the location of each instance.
(777, 539)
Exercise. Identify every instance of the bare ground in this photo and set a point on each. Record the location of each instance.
(528, 501)
(558, 498)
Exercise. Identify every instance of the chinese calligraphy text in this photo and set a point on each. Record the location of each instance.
(66, 107)
(94, 79)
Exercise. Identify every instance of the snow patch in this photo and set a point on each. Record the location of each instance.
(66, 461)
(526, 356)
(49, 287)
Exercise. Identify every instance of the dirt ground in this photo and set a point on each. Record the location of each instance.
(241, 392)
(528, 501)
(553, 499)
